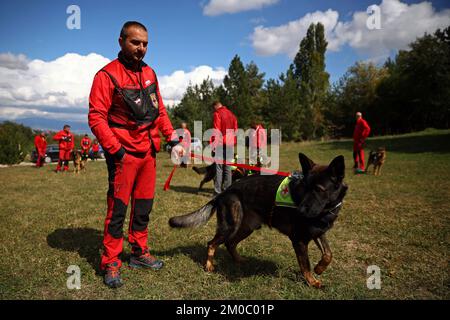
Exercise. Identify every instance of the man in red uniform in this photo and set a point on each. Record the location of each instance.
(95, 149)
(258, 143)
(41, 147)
(226, 123)
(85, 147)
(66, 145)
(126, 113)
(360, 135)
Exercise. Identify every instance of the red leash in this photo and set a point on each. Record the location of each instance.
(242, 165)
(167, 184)
(239, 165)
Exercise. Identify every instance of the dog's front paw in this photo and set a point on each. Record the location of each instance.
(209, 267)
(315, 283)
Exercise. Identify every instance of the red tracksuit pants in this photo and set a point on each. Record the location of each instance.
(40, 159)
(133, 176)
(64, 157)
(358, 155)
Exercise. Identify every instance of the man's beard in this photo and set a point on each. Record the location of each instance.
(134, 58)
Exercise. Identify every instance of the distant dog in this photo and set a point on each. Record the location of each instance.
(252, 201)
(377, 159)
(79, 162)
(209, 173)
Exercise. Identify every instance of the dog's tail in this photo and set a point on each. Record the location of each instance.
(196, 218)
(201, 170)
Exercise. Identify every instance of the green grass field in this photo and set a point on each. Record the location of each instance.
(398, 221)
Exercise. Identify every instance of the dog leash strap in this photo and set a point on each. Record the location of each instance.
(167, 184)
(239, 165)
(242, 165)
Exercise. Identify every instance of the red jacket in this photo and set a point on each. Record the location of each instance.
(95, 147)
(66, 141)
(361, 131)
(259, 137)
(224, 119)
(85, 143)
(106, 106)
(41, 144)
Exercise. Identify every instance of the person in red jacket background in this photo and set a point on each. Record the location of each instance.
(184, 136)
(41, 147)
(360, 134)
(226, 123)
(126, 114)
(257, 143)
(95, 149)
(66, 145)
(85, 146)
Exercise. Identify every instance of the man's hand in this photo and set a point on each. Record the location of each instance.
(177, 153)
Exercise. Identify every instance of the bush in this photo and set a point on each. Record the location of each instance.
(16, 141)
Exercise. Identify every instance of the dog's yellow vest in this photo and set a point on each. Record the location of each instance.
(283, 196)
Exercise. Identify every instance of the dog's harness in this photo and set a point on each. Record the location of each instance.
(283, 197)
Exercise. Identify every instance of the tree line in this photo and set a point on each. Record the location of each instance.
(408, 93)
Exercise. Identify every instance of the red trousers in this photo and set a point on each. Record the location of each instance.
(40, 159)
(358, 155)
(64, 157)
(133, 176)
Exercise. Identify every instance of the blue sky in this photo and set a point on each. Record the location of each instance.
(182, 37)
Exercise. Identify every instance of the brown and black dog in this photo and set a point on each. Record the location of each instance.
(250, 202)
(79, 162)
(377, 159)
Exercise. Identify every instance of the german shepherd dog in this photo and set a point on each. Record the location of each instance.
(250, 202)
(209, 173)
(377, 159)
(79, 162)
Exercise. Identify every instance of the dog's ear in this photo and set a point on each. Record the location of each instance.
(337, 168)
(306, 163)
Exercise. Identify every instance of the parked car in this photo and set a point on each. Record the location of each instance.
(196, 146)
(51, 154)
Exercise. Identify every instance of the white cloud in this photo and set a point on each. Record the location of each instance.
(218, 7)
(173, 86)
(10, 61)
(64, 82)
(59, 89)
(400, 24)
(286, 38)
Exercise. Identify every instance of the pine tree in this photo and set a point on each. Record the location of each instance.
(312, 80)
(243, 87)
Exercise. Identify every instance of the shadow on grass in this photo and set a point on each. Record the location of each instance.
(223, 262)
(437, 143)
(192, 190)
(86, 241)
